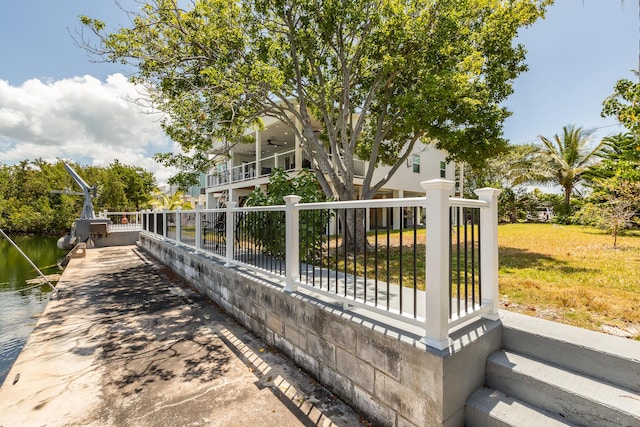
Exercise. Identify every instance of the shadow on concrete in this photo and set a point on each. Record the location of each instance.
(165, 355)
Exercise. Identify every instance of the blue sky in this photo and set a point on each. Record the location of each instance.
(54, 102)
(575, 56)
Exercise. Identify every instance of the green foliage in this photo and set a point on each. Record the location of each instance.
(624, 104)
(27, 204)
(623, 146)
(614, 203)
(170, 202)
(376, 76)
(304, 185)
(262, 226)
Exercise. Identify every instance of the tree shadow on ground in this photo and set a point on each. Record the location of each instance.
(158, 330)
(517, 258)
(145, 324)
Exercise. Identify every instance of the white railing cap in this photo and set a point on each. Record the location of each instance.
(437, 184)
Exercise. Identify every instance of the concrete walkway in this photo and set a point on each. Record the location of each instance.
(127, 344)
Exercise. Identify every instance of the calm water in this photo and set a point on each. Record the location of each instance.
(20, 303)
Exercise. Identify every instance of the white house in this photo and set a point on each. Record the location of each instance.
(248, 166)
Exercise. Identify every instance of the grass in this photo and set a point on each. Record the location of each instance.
(573, 275)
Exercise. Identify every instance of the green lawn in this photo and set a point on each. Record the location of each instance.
(573, 275)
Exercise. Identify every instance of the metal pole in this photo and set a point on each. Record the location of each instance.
(30, 262)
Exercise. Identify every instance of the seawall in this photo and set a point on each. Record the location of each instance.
(378, 366)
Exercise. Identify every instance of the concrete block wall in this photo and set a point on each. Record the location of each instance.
(390, 378)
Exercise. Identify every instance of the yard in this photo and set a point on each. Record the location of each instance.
(573, 275)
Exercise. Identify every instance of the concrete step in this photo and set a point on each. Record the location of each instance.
(580, 399)
(492, 408)
(610, 358)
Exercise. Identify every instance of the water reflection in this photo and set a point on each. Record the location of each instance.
(21, 303)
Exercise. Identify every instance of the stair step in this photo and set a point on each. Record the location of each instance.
(613, 359)
(578, 398)
(491, 408)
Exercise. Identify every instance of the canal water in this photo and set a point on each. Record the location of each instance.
(22, 303)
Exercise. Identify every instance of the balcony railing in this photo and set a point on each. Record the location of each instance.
(249, 170)
(437, 275)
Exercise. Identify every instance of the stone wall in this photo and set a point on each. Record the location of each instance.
(383, 372)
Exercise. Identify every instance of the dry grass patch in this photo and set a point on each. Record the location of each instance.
(573, 275)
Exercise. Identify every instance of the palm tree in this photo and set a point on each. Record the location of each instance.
(569, 156)
(170, 202)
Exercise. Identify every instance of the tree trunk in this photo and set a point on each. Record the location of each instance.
(354, 231)
(567, 199)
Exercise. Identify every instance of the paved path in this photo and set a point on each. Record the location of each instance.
(127, 344)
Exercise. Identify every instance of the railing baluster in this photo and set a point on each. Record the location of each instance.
(400, 261)
(473, 258)
(355, 251)
(389, 217)
(466, 257)
(345, 247)
(229, 229)
(366, 251)
(178, 221)
(375, 220)
(415, 262)
(458, 263)
(336, 249)
(198, 241)
(451, 234)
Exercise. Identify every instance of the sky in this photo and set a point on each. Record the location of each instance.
(57, 103)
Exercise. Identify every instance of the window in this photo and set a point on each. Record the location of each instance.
(416, 163)
(443, 169)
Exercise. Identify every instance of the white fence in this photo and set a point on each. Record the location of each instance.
(436, 275)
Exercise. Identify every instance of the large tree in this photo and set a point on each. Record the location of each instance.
(378, 76)
(569, 156)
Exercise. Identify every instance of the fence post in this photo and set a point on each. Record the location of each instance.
(489, 251)
(437, 263)
(198, 228)
(164, 223)
(178, 220)
(229, 229)
(292, 241)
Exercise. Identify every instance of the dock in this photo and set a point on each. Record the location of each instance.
(127, 343)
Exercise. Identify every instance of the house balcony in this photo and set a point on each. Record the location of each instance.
(251, 172)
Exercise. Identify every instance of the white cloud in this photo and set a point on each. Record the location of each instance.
(82, 119)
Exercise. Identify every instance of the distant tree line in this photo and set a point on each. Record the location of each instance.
(28, 205)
